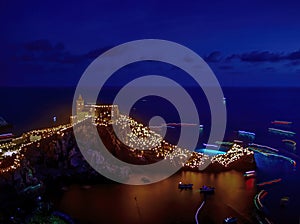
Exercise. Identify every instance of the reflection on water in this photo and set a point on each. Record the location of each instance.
(163, 202)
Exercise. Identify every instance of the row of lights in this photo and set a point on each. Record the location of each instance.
(233, 154)
(140, 137)
(12, 149)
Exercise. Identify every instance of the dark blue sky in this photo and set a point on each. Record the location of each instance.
(246, 43)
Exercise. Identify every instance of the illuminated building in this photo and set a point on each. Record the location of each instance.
(104, 113)
(81, 111)
(98, 112)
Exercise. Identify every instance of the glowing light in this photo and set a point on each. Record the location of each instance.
(246, 133)
(291, 142)
(224, 143)
(232, 155)
(257, 200)
(210, 145)
(269, 182)
(181, 124)
(282, 132)
(293, 162)
(9, 153)
(15, 150)
(197, 212)
(139, 139)
(264, 147)
(281, 122)
(211, 152)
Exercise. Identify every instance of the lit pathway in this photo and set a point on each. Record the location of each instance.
(196, 215)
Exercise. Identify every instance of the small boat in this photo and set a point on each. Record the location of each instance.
(185, 186)
(230, 220)
(207, 189)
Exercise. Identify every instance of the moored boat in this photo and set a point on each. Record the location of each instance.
(185, 186)
(207, 189)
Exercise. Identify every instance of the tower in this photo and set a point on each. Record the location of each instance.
(79, 105)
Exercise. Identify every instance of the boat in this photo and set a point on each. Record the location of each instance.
(230, 220)
(207, 189)
(185, 186)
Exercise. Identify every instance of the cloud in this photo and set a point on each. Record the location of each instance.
(44, 51)
(214, 56)
(42, 46)
(42, 61)
(231, 57)
(293, 56)
(265, 56)
(260, 56)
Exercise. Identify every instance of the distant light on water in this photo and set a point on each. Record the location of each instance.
(211, 152)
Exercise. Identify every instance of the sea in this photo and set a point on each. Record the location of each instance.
(250, 109)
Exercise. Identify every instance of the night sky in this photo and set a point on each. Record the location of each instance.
(246, 43)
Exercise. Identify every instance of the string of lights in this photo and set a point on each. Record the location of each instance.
(135, 135)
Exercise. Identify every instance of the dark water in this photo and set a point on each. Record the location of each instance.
(162, 202)
(249, 109)
(30, 108)
(269, 168)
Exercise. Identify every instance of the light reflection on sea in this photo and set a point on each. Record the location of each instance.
(163, 202)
